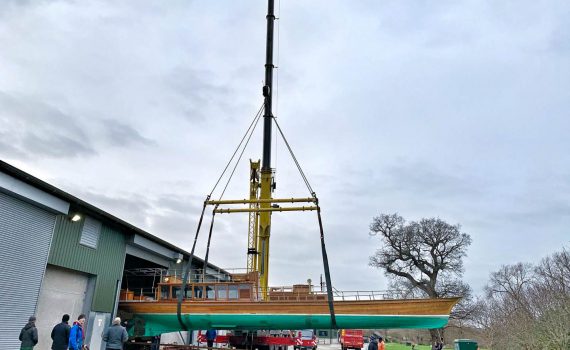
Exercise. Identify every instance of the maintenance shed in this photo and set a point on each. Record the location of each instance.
(62, 255)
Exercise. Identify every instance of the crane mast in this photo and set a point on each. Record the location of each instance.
(252, 237)
(267, 181)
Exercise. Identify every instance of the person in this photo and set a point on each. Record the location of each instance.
(77, 334)
(29, 335)
(373, 341)
(381, 345)
(116, 335)
(210, 337)
(60, 334)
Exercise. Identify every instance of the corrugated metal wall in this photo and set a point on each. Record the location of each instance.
(106, 261)
(25, 234)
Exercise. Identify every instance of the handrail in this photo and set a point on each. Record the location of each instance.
(275, 294)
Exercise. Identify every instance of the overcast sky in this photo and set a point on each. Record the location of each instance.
(450, 109)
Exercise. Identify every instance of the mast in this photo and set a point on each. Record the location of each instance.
(266, 172)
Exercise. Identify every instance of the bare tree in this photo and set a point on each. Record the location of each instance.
(424, 257)
(528, 307)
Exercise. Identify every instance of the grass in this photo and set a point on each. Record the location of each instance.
(396, 346)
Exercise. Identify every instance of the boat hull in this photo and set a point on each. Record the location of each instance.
(152, 318)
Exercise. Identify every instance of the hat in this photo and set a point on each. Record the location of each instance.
(32, 319)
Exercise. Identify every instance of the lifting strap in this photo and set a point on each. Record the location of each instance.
(208, 246)
(327, 272)
(187, 268)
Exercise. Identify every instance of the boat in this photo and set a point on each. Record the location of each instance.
(237, 304)
(244, 301)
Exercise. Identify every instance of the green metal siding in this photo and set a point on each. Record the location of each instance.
(106, 262)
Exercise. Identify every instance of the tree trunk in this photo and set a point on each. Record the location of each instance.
(436, 334)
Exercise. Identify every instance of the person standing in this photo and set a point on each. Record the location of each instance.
(77, 334)
(29, 335)
(373, 341)
(381, 345)
(60, 334)
(115, 336)
(210, 337)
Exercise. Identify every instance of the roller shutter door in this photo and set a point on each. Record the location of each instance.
(25, 235)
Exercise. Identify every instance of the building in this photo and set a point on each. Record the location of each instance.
(60, 254)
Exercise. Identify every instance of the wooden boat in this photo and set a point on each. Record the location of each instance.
(236, 305)
(248, 303)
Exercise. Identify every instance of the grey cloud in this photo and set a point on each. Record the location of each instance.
(165, 215)
(133, 206)
(425, 178)
(197, 93)
(122, 135)
(41, 129)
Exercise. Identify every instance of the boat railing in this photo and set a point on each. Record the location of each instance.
(138, 294)
(240, 276)
(284, 293)
(342, 295)
(309, 292)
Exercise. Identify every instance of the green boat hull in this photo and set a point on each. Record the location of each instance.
(155, 324)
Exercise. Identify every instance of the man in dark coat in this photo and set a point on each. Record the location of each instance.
(29, 335)
(60, 334)
(373, 341)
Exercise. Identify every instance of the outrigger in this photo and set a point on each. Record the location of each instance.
(244, 300)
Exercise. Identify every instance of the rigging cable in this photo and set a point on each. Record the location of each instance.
(295, 159)
(242, 151)
(188, 265)
(237, 148)
(323, 248)
(276, 68)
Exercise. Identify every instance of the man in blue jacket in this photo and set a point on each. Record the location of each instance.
(210, 337)
(77, 334)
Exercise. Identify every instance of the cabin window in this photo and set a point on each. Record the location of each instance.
(244, 291)
(164, 292)
(233, 291)
(198, 292)
(210, 292)
(176, 291)
(188, 294)
(222, 291)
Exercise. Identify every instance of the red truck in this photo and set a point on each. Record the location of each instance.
(262, 340)
(351, 339)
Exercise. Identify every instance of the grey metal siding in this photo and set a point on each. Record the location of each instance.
(25, 236)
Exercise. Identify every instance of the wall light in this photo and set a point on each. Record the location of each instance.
(76, 218)
(177, 257)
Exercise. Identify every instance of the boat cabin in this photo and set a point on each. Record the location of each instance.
(218, 291)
